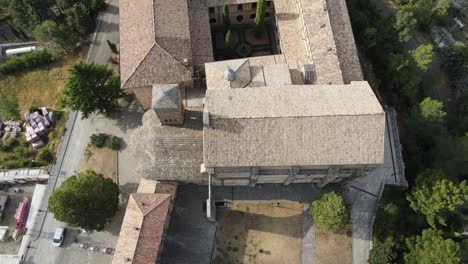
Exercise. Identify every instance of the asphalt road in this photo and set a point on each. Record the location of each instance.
(76, 137)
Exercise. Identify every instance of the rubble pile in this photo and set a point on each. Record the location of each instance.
(37, 126)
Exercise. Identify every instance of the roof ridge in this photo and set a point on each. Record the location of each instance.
(178, 62)
(138, 66)
(271, 117)
(159, 202)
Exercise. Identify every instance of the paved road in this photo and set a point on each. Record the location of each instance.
(73, 144)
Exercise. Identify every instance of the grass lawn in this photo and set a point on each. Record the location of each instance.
(37, 88)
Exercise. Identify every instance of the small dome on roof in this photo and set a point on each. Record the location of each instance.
(228, 74)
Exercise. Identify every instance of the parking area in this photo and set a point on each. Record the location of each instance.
(11, 246)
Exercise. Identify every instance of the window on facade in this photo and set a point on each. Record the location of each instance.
(252, 16)
(211, 10)
(268, 3)
(212, 20)
(239, 7)
(239, 18)
(254, 5)
(267, 14)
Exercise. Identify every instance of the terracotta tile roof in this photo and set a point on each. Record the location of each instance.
(142, 228)
(154, 42)
(293, 125)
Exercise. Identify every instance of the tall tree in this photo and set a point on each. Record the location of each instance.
(226, 20)
(79, 19)
(435, 196)
(27, 14)
(430, 248)
(422, 56)
(405, 24)
(92, 88)
(86, 200)
(330, 211)
(55, 37)
(260, 16)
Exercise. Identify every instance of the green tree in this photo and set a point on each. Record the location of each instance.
(27, 14)
(226, 20)
(55, 37)
(455, 62)
(79, 19)
(432, 111)
(260, 16)
(92, 88)
(435, 196)
(422, 56)
(86, 200)
(404, 23)
(430, 248)
(330, 211)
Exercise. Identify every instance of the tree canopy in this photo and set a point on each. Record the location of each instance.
(435, 196)
(330, 211)
(260, 16)
(422, 56)
(86, 200)
(430, 248)
(92, 88)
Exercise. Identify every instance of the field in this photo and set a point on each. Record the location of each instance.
(101, 160)
(259, 232)
(38, 88)
(333, 247)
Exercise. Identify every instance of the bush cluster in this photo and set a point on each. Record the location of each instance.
(104, 140)
(45, 156)
(330, 211)
(26, 61)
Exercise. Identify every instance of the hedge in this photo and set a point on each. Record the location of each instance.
(26, 61)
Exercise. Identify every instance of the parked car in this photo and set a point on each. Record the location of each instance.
(58, 236)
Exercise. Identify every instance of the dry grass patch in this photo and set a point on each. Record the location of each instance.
(41, 87)
(259, 232)
(100, 160)
(333, 247)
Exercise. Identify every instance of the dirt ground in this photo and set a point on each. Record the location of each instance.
(259, 232)
(333, 248)
(101, 160)
(9, 246)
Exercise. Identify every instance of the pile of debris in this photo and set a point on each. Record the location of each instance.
(37, 126)
(10, 128)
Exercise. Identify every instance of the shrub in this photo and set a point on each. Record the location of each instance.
(8, 107)
(45, 156)
(330, 211)
(112, 47)
(99, 140)
(113, 142)
(26, 61)
(382, 252)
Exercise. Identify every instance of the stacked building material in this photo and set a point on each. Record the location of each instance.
(37, 126)
(21, 213)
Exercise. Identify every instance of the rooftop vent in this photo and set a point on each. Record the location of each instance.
(309, 74)
(228, 74)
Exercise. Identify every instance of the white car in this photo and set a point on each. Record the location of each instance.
(58, 236)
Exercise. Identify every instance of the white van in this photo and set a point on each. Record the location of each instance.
(58, 236)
